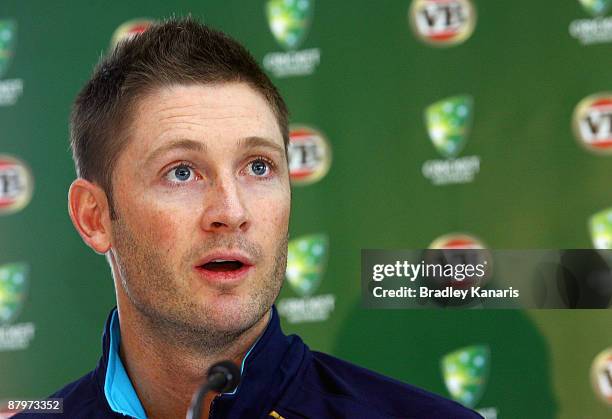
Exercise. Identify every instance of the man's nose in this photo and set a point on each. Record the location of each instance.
(224, 207)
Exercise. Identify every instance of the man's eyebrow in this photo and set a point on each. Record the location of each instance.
(254, 142)
(182, 144)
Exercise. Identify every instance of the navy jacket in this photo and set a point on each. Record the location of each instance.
(282, 378)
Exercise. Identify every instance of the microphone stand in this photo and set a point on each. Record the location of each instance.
(223, 377)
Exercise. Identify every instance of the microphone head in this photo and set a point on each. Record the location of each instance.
(230, 373)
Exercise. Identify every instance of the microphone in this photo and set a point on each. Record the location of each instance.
(223, 377)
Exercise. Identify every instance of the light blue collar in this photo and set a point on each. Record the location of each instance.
(118, 388)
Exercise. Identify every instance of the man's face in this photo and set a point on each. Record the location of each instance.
(202, 198)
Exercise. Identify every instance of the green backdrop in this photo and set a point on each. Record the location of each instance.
(371, 80)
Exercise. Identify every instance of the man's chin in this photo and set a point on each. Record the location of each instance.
(232, 314)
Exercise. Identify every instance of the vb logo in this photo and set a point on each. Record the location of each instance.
(309, 155)
(15, 185)
(442, 22)
(593, 123)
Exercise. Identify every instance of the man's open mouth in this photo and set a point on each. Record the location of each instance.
(221, 265)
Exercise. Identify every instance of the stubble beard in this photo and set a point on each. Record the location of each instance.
(151, 288)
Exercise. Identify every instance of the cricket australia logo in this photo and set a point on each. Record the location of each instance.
(596, 7)
(466, 372)
(448, 124)
(289, 22)
(600, 226)
(596, 30)
(13, 292)
(11, 89)
(8, 29)
(306, 263)
(442, 22)
(593, 123)
(13, 286)
(306, 260)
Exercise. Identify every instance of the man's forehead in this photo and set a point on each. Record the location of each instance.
(215, 101)
(203, 112)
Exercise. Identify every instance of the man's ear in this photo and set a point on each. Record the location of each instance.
(89, 212)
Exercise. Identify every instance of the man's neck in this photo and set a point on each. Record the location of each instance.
(166, 375)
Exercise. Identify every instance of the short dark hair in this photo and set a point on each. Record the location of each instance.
(174, 51)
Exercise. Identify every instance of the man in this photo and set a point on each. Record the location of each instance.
(180, 145)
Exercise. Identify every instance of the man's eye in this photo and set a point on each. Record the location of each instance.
(180, 174)
(260, 167)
